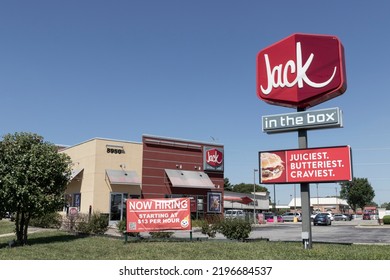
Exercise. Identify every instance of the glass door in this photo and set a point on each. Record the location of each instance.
(117, 207)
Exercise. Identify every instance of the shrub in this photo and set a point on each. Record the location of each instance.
(197, 223)
(69, 222)
(161, 234)
(386, 220)
(82, 225)
(98, 223)
(49, 220)
(209, 229)
(121, 226)
(237, 229)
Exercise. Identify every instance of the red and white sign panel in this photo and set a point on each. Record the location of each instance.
(314, 165)
(301, 71)
(145, 215)
(213, 159)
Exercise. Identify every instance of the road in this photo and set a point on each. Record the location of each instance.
(368, 232)
(347, 232)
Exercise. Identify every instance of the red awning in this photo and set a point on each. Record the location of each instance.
(240, 199)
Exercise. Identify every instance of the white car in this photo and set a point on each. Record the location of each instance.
(289, 217)
(232, 213)
(340, 217)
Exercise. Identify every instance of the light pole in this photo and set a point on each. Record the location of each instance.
(318, 199)
(274, 208)
(254, 195)
(295, 200)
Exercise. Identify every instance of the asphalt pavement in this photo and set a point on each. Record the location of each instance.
(344, 232)
(347, 232)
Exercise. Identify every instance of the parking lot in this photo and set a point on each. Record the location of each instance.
(355, 231)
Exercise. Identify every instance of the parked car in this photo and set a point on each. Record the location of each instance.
(366, 216)
(331, 217)
(8, 215)
(271, 219)
(289, 217)
(232, 213)
(268, 215)
(322, 219)
(312, 216)
(349, 217)
(340, 217)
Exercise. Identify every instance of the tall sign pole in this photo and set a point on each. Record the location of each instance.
(305, 195)
(301, 71)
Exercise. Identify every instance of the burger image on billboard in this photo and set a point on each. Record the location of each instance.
(271, 166)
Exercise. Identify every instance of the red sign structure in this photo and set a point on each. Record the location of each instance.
(213, 159)
(146, 215)
(331, 164)
(301, 71)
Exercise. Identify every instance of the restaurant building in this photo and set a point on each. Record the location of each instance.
(182, 168)
(321, 204)
(106, 172)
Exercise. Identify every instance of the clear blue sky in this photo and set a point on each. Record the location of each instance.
(74, 70)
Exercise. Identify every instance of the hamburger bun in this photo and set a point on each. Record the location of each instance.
(271, 166)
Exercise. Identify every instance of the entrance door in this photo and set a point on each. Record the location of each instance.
(117, 207)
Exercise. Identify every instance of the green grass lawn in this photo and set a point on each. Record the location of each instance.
(6, 226)
(58, 245)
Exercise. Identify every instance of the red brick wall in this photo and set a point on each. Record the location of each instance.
(163, 153)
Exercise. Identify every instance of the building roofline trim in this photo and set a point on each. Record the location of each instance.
(102, 139)
(182, 140)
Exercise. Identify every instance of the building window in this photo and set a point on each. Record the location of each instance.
(72, 200)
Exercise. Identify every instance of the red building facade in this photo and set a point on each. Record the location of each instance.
(184, 168)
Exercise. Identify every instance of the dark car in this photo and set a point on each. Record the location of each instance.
(349, 217)
(322, 219)
(268, 215)
(366, 216)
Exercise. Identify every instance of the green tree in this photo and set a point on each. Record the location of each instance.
(33, 178)
(358, 193)
(386, 205)
(227, 186)
(248, 188)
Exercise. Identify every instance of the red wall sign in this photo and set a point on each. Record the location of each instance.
(301, 70)
(313, 165)
(213, 159)
(158, 214)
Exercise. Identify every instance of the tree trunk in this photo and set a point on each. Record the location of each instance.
(21, 226)
(25, 229)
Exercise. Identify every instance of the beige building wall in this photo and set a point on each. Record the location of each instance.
(93, 158)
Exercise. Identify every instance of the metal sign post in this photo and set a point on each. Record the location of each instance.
(305, 195)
